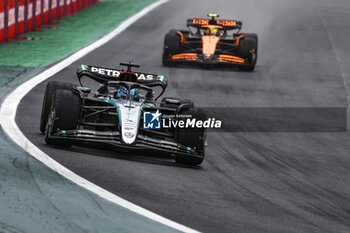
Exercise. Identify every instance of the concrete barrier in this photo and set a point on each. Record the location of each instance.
(19, 16)
(2, 21)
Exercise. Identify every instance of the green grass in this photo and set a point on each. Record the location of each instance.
(72, 33)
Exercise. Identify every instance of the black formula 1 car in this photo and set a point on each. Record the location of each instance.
(122, 113)
(208, 42)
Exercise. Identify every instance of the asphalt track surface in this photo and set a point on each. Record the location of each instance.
(249, 182)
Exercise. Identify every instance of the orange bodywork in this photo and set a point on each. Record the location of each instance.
(237, 40)
(231, 59)
(209, 44)
(185, 56)
(182, 38)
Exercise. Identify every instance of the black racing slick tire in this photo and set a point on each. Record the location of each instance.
(172, 41)
(172, 44)
(51, 87)
(176, 103)
(255, 38)
(66, 116)
(248, 49)
(193, 138)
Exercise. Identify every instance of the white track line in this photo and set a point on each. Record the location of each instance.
(8, 113)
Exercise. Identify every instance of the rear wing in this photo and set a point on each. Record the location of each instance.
(102, 75)
(226, 24)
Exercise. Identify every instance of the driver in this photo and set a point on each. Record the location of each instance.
(122, 92)
(214, 32)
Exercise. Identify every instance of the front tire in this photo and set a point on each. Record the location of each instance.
(66, 106)
(193, 138)
(50, 89)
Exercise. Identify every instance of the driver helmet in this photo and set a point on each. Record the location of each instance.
(122, 93)
(215, 32)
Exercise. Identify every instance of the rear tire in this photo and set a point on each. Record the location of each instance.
(172, 43)
(174, 102)
(66, 115)
(255, 38)
(192, 137)
(248, 49)
(51, 87)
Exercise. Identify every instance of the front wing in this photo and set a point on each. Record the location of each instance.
(143, 143)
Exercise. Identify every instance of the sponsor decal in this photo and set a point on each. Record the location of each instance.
(38, 8)
(1, 20)
(12, 18)
(129, 135)
(151, 120)
(46, 5)
(144, 76)
(21, 13)
(200, 21)
(230, 23)
(104, 71)
(189, 122)
(30, 10)
(115, 73)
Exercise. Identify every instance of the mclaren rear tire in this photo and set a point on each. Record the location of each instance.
(248, 49)
(172, 44)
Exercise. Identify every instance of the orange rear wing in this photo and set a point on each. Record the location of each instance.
(226, 24)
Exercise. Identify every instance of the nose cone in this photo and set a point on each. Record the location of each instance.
(209, 44)
(129, 121)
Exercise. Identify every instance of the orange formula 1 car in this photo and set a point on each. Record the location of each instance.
(208, 42)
